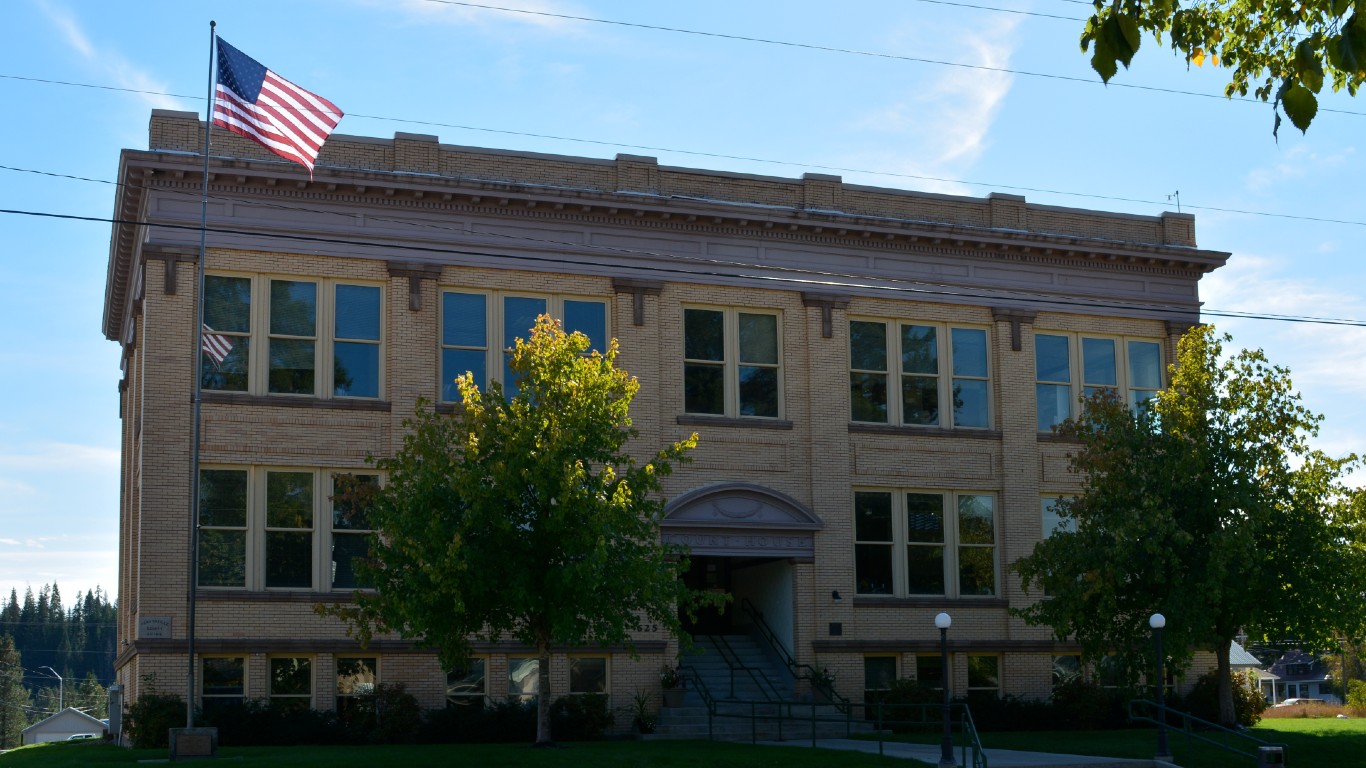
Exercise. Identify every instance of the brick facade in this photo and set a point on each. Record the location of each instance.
(416, 218)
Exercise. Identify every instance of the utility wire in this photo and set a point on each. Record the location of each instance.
(870, 54)
(925, 291)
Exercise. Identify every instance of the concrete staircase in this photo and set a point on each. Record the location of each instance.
(755, 698)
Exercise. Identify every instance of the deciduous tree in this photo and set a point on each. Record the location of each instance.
(1283, 52)
(523, 517)
(1210, 508)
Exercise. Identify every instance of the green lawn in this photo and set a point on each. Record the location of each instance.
(1309, 742)
(621, 754)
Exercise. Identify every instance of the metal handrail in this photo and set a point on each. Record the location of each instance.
(798, 671)
(979, 756)
(1190, 722)
(732, 659)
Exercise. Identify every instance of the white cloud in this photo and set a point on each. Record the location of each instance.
(57, 457)
(109, 62)
(945, 116)
(1298, 162)
(79, 564)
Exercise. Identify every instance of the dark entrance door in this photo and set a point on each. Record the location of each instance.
(710, 574)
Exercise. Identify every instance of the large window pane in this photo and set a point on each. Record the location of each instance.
(920, 399)
(457, 362)
(970, 403)
(223, 497)
(293, 308)
(867, 346)
(1098, 363)
(588, 675)
(465, 686)
(358, 312)
(291, 677)
(222, 558)
(524, 678)
(292, 366)
(464, 320)
(224, 676)
(1054, 404)
(588, 318)
(977, 570)
(984, 674)
(758, 339)
(868, 397)
(355, 370)
(976, 521)
(704, 389)
(704, 335)
(519, 317)
(925, 518)
(1145, 365)
(289, 560)
(227, 303)
(873, 553)
(929, 670)
(758, 391)
(924, 570)
(873, 516)
(1052, 521)
(233, 373)
(969, 352)
(873, 569)
(346, 549)
(1052, 361)
(919, 349)
(289, 499)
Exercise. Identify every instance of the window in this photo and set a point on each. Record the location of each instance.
(351, 496)
(312, 338)
(588, 674)
(224, 681)
(731, 363)
(1052, 521)
(268, 528)
(291, 682)
(929, 670)
(524, 679)
(879, 672)
(912, 543)
(939, 387)
(1066, 669)
(469, 329)
(984, 675)
(465, 686)
(356, 679)
(1069, 367)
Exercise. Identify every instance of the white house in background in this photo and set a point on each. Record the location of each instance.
(62, 726)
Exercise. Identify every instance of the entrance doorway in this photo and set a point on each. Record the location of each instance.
(759, 589)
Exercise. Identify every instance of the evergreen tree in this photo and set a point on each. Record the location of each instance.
(14, 698)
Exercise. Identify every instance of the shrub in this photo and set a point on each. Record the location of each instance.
(254, 723)
(397, 715)
(582, 717)
(1356, 697)
(1086, 705)
(1248, 702)
(151, 718)
(507, 721)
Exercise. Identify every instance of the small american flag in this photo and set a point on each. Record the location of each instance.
(215, 345)
(254, 102)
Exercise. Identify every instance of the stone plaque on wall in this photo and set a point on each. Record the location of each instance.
(154, 627)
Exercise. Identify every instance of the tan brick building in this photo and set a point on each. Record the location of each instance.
(848, 496)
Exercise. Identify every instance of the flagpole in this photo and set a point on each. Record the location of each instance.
(198, 403)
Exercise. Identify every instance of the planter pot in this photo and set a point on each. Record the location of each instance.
(673, 697)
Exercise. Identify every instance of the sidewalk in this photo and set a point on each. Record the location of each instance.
(996, 758)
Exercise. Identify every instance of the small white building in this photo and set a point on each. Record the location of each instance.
(62, 726)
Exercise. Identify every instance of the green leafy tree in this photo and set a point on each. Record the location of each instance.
(89, 696)
(1284, 52)
(1209, 508)
(522, 517)
(14, 699)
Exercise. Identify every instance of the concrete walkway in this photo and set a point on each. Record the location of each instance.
(996, 758)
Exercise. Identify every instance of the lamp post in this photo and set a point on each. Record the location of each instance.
(1157, 621)
(61, 688)
(943, 621)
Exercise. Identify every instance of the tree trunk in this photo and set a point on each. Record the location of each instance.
(543, 737)
(1228, 717)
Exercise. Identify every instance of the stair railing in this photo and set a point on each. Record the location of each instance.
(818, 682)
(761, 682)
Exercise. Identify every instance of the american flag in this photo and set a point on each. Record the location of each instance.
(254, 102)
(215, 345)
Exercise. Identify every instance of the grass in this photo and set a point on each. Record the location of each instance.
(618, 754)
(1309, 742)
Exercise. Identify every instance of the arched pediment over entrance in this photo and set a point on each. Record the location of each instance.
(741, 520)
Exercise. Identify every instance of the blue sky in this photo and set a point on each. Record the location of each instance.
(491, 77)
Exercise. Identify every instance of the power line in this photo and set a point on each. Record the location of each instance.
(919, 289)
(1015, 11)
(870, 54)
